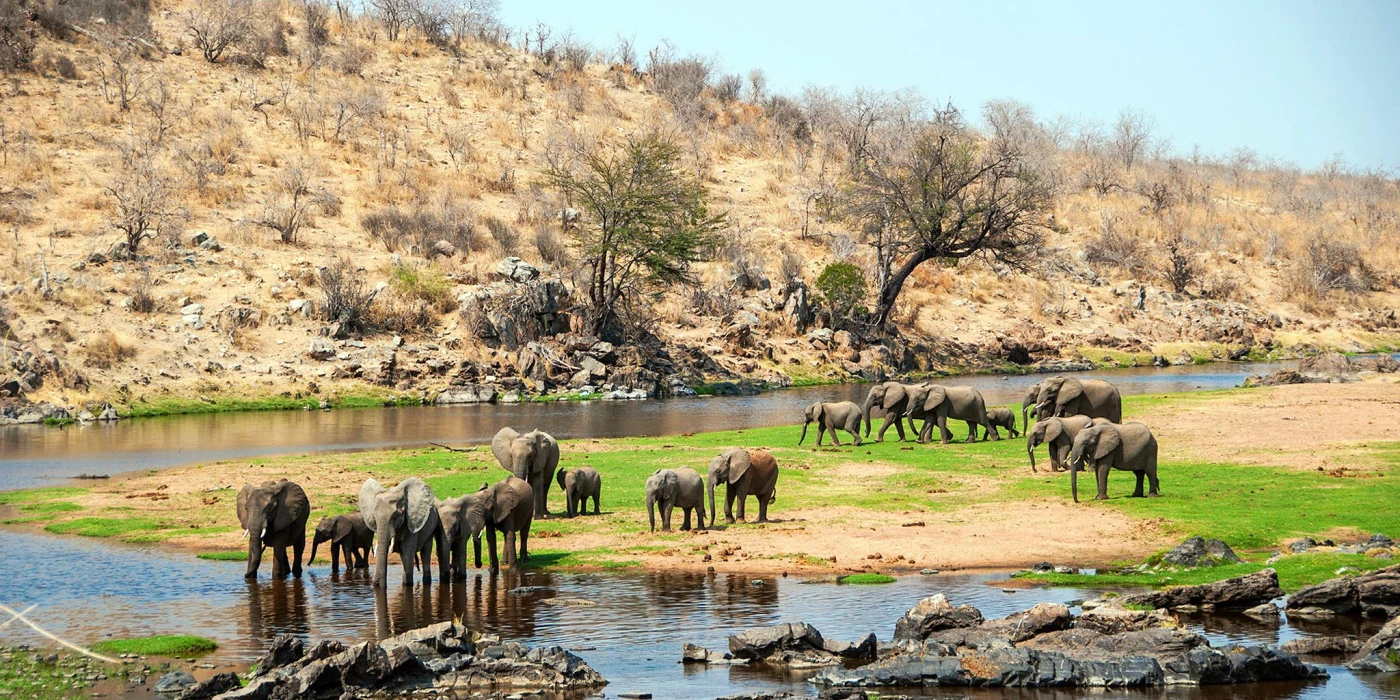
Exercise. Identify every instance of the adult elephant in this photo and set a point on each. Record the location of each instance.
(348, 535)
(1071, 396)
(273, 514)
(743, 472)
(893, 399)
(939, 403)
(507, 507)
(1059, 434)
(1028, 404)
(841, 415)
(532, 458)
(1127, 446)
(675, 488)
(408, 516)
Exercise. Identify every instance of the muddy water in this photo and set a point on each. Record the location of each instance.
(89, 590)
(34, 455)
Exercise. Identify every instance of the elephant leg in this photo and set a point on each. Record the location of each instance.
(408, 556)
(1102, 478)
(509, 553)
(972, 427)
(763, 507)
(524, 544)
(685, 521)
(821, 432)
(1152, 480)
(729, 504)
(298, 551)
(666, 517)
(943, 431)
(491, 548)
(280, 566)
(596, 509)
(335, 558)
(741, 497)
(854, 430)
(1137, 492)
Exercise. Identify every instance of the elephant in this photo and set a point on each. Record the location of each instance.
(462, 518)
(406, 516)
(273, 514)
(844, 415)
(532, 457)
(508, 507)
(893, 399)
(1069, 396)
(578, 486)
(1002, 417)
(1029, 404)
(745, 472)
(1128, 446)
(1059, 433)
(348, 535)
(676, 488)
(939, 403)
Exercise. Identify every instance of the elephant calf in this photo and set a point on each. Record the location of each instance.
(845, 415)
(1128, 446)
(744, 472)
(676, 488)
(1002, 417)
(578, 486)
(507, 507)
(348, 535)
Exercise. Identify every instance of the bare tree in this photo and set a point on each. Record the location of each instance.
(758, 86)
(625, 54)
(1181, 268)
(938, 189)
(395, 15)
(141, 192)
(292, 205)
(1132, 135)
(124, 77)
(217, 25)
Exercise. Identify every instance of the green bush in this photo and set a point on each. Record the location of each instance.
(842, 286)
(158, 645)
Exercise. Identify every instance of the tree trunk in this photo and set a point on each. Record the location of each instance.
(889, 292)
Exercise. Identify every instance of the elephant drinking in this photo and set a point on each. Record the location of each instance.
(348, 535)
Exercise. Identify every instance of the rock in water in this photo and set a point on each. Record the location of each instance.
(1323, 646)
(216, 684)
(1380, 653)
(1237, 593)
(284, 650)
(1376, 594)
(933, 614)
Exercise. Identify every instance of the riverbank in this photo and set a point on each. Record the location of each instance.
(1254, 467)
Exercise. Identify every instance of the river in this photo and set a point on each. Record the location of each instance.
(88, 590)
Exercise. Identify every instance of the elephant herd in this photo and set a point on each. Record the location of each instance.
(1080, 421)
(409, 519)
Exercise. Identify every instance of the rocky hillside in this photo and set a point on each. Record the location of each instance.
(181, 228)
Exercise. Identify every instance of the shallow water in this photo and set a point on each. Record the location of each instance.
(38, 455)
(89, 590)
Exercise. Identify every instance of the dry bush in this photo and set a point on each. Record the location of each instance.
(293, 203)
(347, 297)
(353, 59)
(728, 88)
(682, 81)
(317, 18)
(1179, 266)
(551, 246)
(504, 234)
(106, 19)
(1224, 285)
(1112, 248)
(792, 267)
(218, 25)
(404, 316)
(1327, 266)
(745, 268)
(416, 229)
(105, 350)
(143, 299)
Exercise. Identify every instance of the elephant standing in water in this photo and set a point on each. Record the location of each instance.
(507, 507)
(1071, 396)
(743, 472)
(843, 415)
(676, 488)
(579, 485)
(1059, 433)
(406, 516)
(273, 514)
(531, 457)
(348, 535)
(893, 399)
(462, 519)
(939, 403)
(1128, 446)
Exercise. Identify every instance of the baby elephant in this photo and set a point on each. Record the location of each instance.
(579, 485)
(844, 415)
(676, 488)
(1002, 417)
(348, 535)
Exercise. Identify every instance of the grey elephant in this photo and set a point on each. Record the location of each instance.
(507, 507)
(405, 516)
(348, 535)
(939, 403)
(578, 486)
(1071, 396)
(842, 415)
(1126, 446)
(1002, 417)
(893, 399)
(1059, 434)
(273, 514)
(1028, 406)
(743, 472)
(462, 519)
(532, 457)
(676, 488)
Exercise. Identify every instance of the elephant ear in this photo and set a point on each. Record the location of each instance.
(368, 493)
(344, 527)
(500, 446)
(739, 463)
(546, 453)
(506, 501)
(1109, 441)
(243, 495)
(894, 395)
(936, 394)
(419, 502)
(291, 504)
(1053, 428)
(1069, 391)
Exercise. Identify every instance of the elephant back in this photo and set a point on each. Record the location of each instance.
(765, 471)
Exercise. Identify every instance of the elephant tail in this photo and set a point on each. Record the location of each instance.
(773, 496)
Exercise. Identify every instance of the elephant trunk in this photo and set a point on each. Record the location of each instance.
(381, 556)
(255, 550)
(315, 540)
(1074, 481)
(651, 510)
(710, 489)
(1030, 451)
(865, 412)
(805, 423)
(476, 549)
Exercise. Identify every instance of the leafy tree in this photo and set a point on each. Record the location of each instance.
(843, 287)
(645, 218)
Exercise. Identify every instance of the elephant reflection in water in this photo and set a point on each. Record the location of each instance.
(407, 608)
(741, 596)
(276, 607)
(483, 601)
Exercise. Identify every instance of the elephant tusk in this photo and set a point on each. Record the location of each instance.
(263, 535)
(245, 533)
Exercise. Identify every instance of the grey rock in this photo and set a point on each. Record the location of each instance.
(1303, 544)
(1198, 551)
(1267, 611)
(284, 650)
(516, 270)
(175, 682)
(216, 684)
(1376, 593)
(321, 349)
(1323, 646)
(933, 614)
(466, 394)
(194, 309)
(1237, 593)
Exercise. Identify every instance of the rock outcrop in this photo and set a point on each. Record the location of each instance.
(933, 614)
(793, 645)
(1376, 593)
(1198, 551)
(1380, 653)
(1239, 593)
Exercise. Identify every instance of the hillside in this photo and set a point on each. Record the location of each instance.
(315, 148)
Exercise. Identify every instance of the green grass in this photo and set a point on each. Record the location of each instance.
(600, 558)
(865, 579)
(1293, 573)
(22, 677)
(145, 407)
(235, 555)
(105, 527)
(157, 645)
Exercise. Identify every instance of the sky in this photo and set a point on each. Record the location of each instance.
(1295, 80)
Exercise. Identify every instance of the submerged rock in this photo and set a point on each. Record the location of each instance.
(1237, 593)
(1380, 653)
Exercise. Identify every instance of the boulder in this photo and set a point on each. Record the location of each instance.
(1302, 545)
(17, 411)
(284, 650)
(1380, 653)
(216, 684)
(465, 394)
(1116, 619)
(517, 270)
(441, 639)
(764, 642)
(1198, 551)
(1385, 364)
(175, 682)
(864, 650)
(1237, 593)
(1327, 364)
(933, 614)
(1376, 593)
(1323, 646)
(1277, 377)
(443, 247)
(321, 349)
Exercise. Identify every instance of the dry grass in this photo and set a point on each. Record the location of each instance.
(105, 350)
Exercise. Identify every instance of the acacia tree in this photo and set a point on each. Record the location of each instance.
(645, 218)
(929, 186)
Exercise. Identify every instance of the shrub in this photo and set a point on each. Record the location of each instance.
(793, 265)
(105, 350)
(218, 25)
(746, 269)
(842, 286)
(427, 285)
(397, 314)
(110, 18)
(18, 33)
(550, 246)
(1180, 265)
(682, 81)
(506, 236)
(419, 228)
(142, 299)
(347, 297)
(1327, 266)
(1114, 249)
(728, 87)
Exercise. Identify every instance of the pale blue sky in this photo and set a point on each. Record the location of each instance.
(1291, 79)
